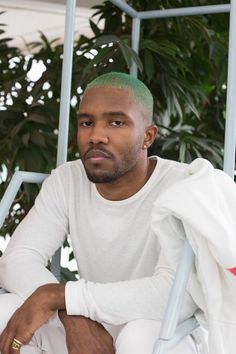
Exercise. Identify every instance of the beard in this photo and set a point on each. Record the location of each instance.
(105, 176)
(128, 160)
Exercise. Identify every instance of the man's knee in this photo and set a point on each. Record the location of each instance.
(9, 303)
(137, 337)
(48, 339)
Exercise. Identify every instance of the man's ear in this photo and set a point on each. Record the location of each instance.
(150, 135)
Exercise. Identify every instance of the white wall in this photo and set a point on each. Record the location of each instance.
(25, 18)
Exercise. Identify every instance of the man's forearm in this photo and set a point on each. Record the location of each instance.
(75, 323)
(54, 294)
(85, 336)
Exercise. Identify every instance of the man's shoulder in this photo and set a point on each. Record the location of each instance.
(180, 166)
(70, 173)
(173, 172)
(193, 174)
(170, 169)
(69, 168)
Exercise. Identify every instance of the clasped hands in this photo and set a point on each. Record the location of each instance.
(83, 336)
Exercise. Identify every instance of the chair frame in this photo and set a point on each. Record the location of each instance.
(171, 332)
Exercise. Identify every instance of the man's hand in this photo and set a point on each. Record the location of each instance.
(35, 311)
(84, 336)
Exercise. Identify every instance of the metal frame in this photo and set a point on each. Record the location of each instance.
(171, 332)
(19, 177)
(64, 114)
(169, 324)
(230, 127)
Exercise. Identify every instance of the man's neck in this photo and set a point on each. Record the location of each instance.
(127, 185)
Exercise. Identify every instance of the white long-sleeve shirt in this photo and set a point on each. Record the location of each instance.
(124, 275)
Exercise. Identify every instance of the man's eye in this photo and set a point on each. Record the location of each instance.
(86, 124)
(117, 123)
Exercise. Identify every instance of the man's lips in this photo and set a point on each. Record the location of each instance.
(97, 155)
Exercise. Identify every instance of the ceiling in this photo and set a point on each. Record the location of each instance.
(25, 18)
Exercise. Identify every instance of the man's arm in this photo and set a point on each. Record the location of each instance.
(39, 235)
(120, 302)
(85, 336)
(35, 240)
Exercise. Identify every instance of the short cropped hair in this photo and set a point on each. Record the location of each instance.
(141, 93)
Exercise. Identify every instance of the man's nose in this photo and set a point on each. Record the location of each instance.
(98, 135)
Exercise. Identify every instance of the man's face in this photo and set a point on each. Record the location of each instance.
(111, 132)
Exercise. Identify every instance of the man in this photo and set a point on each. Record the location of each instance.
(104, 201)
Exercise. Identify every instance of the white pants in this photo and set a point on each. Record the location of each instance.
(136, 336)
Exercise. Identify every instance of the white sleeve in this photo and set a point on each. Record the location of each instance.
(120, 302)
(125, 301)
(39, 235)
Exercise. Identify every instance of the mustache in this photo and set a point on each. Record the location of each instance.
(99, 151)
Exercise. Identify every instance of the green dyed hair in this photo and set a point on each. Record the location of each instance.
(141, 93)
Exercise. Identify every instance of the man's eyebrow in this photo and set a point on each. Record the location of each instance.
(115, 113)
(84, 115)
(105, 114)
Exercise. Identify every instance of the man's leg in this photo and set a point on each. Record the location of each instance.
(140, 336)
(9, 303)
(48, 339)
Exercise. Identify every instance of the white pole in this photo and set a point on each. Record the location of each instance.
(18, 178)
(125, 7)
(135, 43)
(66, 83)
(230, 126)
(184, 11)
(65, 104)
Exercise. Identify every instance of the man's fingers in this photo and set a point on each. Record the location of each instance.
(2, 336)
(6, 341)
(15, 346)
(6, 337)
(11, 338)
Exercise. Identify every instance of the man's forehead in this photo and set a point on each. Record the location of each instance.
(108, 96)
(112, 90)
(109, 103)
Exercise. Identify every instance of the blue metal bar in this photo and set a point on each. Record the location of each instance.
(18, 178)
(185, 328)
(175, 301)
(66, 83)
(56, 264)
(125, 7)
(230, 126)
(65, 104)
(184, 11)
(136, 23)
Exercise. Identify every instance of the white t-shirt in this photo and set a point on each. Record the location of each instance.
(123, 273)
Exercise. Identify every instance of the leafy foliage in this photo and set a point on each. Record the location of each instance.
(183, 60)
